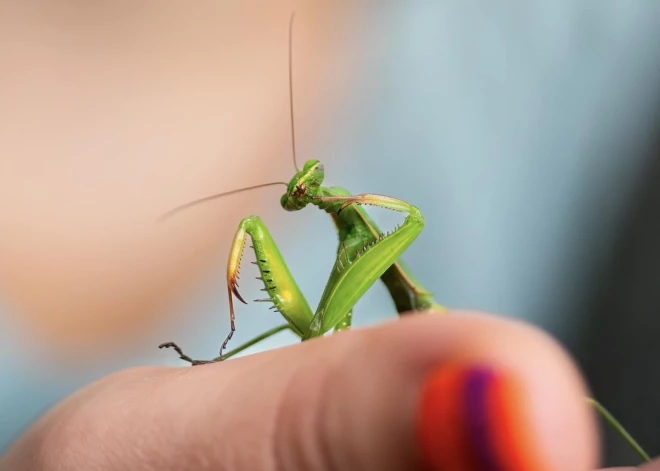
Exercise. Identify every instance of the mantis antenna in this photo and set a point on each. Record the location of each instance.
(293, 133)
(216, 196)
(293, 144)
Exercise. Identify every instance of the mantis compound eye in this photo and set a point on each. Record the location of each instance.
(284, 201)
(291, 203)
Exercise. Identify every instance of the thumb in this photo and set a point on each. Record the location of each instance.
(399, 396)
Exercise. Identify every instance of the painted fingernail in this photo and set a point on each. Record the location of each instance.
(474, 418)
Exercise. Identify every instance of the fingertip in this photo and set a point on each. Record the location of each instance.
(505, 397)
(535, 416)
(467, 391)
(476, 417)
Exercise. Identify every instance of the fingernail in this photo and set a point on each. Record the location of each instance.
(474, 418)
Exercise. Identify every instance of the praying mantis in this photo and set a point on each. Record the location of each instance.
(364, 255)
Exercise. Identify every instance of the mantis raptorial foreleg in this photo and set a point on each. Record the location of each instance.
(364, 259)
(280, 287)
(406, 292)
(345, 323)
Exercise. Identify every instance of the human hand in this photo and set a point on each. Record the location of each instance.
(363, 399)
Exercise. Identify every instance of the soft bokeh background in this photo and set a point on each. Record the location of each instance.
(526, 133)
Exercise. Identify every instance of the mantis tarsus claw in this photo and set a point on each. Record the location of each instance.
(182, 355)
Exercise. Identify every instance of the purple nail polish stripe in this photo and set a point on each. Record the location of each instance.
(478, 425)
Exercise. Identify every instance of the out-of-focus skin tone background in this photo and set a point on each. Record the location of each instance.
(113, 113)
(117, 112)
(525, 133)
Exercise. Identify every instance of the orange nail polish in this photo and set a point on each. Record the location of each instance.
(472, 418)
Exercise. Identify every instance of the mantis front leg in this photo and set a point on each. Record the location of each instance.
(279, 285)
(406, 291)
(346, 323)
(363, 259)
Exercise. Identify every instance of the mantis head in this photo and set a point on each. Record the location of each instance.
(304, 185)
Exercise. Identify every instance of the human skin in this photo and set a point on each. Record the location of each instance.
(115, 112)
(349, 401)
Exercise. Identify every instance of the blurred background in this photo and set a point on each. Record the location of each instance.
(526, 132)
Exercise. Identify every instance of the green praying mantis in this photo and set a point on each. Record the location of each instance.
(364, 255)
